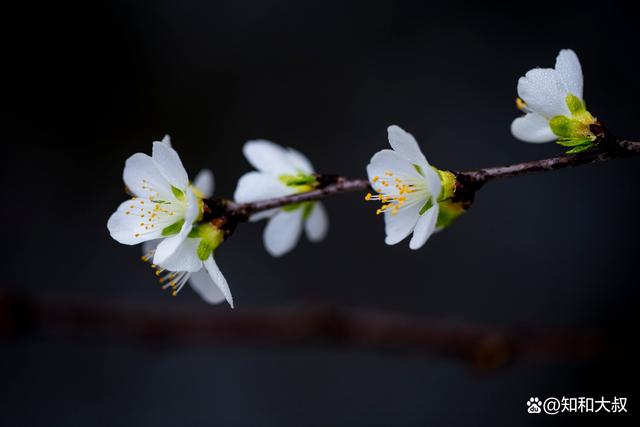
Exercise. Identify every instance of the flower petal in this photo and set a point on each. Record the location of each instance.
(434, 184)
(532, 127)
(299, 161)
(570, 71)
(283, 232)
(385, 161)
(400, 225)
(254, 186)
(143, 179)
(127, 227)
(203, 284)
(205, 183)
(405, 145)
(424, 227)
(169, 165)
(218, 279)
(166, 140)
(267, 156)
(317, 225)
(544, 92)
(178, 254)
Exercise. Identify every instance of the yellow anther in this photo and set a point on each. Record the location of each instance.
(367, 197)
(375, 179)
(520, 104)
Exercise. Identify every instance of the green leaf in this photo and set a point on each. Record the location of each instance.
(178, 193)
(426, 206)
(173, 228)
(575, 104)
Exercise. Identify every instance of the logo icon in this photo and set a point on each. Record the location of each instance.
(533, 405)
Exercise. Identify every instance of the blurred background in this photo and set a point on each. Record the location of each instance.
(555, 253)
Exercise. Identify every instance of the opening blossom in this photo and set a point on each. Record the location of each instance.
(553, 105)
(410, 190)
(164, 213)
(282, 172)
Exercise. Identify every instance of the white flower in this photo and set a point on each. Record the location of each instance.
(409, 189)
(163, 213)
(281, 172)
(553, 103)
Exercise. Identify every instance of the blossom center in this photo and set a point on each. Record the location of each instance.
(395, 192)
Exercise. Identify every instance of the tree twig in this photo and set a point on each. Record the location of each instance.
(484, 348)
(468, 182)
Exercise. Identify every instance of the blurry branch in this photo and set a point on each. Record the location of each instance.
(484, 348)
(467, 183)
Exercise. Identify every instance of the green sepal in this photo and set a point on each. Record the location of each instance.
(580, 148)
(173, 228)
(426, 206)
(418, 169)
(298, 180)
(308, 208)
(575, 104)
(562, 126)
(449, 212)
(572, 142)
(292, 207)
(178, 193)
(210, 238)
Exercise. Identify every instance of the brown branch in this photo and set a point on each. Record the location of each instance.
(483, 347)
(468, 182)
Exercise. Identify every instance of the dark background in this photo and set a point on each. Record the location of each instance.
(88, 85)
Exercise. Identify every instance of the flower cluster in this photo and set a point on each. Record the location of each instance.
(172, 218)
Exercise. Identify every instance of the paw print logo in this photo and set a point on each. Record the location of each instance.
(533, 405)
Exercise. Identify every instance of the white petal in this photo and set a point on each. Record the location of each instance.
(544, 92)
(424, 227)
(405, 145)
(164, 255)
(178, 254)
(400, 225)
(267, 156)
(129, 228)
(389, 161)
(434, 185)
(254, 186)
(299, 161)
(317, 225)
(570, 71)
(193, 208)
(169, 165)
(203, 284)
(218, 279)
(532, 128)
(205, 183)
(166, 140)
(143, 179)
(282, 232)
